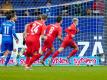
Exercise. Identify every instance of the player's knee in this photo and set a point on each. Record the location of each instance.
(60, 49)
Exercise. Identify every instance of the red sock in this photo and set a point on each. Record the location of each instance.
(72, 53)
(55, 54)
(34, 58)
(27, 60)
(47, 55)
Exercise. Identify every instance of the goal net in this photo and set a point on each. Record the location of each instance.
(89, 12)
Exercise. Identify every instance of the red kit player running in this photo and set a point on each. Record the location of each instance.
(52, 31)
(32, 39)
(68, 41)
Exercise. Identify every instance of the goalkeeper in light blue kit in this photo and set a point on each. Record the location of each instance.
(7, 29)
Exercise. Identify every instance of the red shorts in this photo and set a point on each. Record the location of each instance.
(68, 42)
(48, 43)
(33, 45)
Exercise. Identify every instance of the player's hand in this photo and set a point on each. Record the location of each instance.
(17, 41)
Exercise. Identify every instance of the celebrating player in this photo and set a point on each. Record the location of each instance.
(52, 31)
(32, 40)
(68, 41)
(8, 32)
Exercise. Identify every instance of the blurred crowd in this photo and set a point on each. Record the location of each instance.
(97, 8)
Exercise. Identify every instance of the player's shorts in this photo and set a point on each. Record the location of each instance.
(7, 44)
(33, 45)
(68, 42)
(48, 43)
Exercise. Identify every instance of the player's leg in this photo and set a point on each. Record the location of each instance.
(35, 57)
(4, 49)
(28, 54)
(43, 51)
(64, 44)
(28, 57)
(75, 49)
(15, 54)
(9, 47)
(48, 53)
(48, 45)
(57, 52)
(35, 50)
(55, 55)
(8, 58)
(4, 53)
(51, 50)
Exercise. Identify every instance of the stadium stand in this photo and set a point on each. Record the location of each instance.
(81, 9)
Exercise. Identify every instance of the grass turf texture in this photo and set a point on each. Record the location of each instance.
(54, 73)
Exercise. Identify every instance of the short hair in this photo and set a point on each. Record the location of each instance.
(10, 14)
(39, 17)
(59, 19)
(75, 19)
(44, 17)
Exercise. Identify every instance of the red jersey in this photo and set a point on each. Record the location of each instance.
(28, 28)
(72, 31)
(43, 28)
(53, 30)
(35, 28)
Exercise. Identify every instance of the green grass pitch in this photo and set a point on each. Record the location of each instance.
(54, 73)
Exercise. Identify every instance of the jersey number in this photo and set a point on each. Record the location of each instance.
(51, 30)
(35, 28)
(6, 30)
